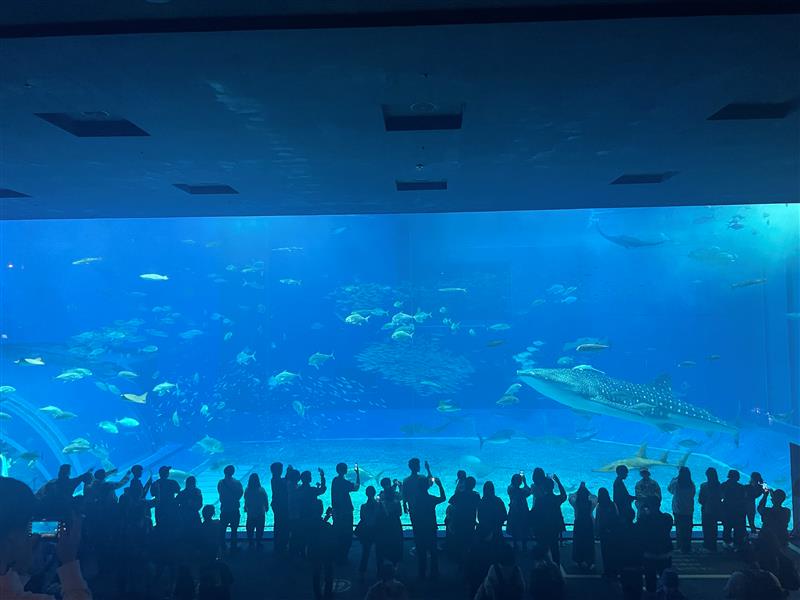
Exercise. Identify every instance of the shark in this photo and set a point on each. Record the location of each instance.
(642, 461)
(588, 390)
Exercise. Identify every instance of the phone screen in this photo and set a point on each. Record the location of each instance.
(48, 528)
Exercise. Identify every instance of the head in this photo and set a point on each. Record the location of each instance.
(229, 471)
(305, 477)
(470, 483)
(778, 497)
(644, 473)
(583, 491)
(651, 505)
(341, 469)
(276, 469)
(386, 571)
(137, 470)
(386, 483)
(370, 492)
(712, 476)
(254, 481)
(163, 472)
(293, 475)
(622, 471)
(17, 505)
(100, 475)
(191, 482)
(538, 475)
(733, 475)
(603, 497)
(413, 465)
(684, 477)
(208, 512)
(516, 480)
(755, 478)
(64, 471)
(488, 489)
(461, 475)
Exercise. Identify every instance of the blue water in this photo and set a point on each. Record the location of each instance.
(677, 307)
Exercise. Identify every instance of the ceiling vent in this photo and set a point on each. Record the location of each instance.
(749, 111)
(7, 193)
(421, 186)
(206, 188)
(638, 178)
(93, 124)
(422, 116)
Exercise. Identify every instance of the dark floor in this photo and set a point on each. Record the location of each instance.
(259, 575)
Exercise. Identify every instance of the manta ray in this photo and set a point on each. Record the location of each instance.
(629, 241)
(585, 389)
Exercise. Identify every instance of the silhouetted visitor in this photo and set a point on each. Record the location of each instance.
(164, 491)
(669, 586)
(775, 518)
(753, 491)
(389, 529)
(190, 501)
(607, 527)
(387, 587)
(492, 512)
(55, 496)
(583, 504)
(622, 498)
(366, 530)
(752, 583)
(683, 490)
(211, 538)
(645, 488)
(414, 486)
(538, 479)
(138, 489)
(547, 579)
(425, 529)
(504, 581)
(653, 529)
(280, 509)
(483, 553)
(734, 511)
(547, 521)
(256, 505)
(306, 497)
(710, 499)
(17, 505)
(293, 509)
(518, 525)
(230, 493)
(321, 544)
(463, 514)
(342, 506)
(184, 588)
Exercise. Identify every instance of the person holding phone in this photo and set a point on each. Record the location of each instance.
(17, 503)
(426, 527)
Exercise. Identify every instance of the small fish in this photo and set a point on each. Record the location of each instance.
(591, 347)
(34, 362)
(129, 422)
(507, 400)
(748, 283)
(538, 302)
(514, 388)
(127, 374)
(164, 388)
(108, 427)
(204, 410)
(429, 383)
(150, 349)
(421, 317)
(64, 415)
(356, 319)
(136, 398)
(153, 277)
(495, 343)
(446, 406)
(88, 260)
(500, 327)
(568, 300)
(245, 357)
(447, 290)
(190, 334)
(4, 416)
(176, 420)
(299, 408)
(318, 359)
(687, 363)
(227, 337)
(291, 281)
(397, 304)
(565, 361)
(402, 335)
(7, 389)
(472, 332)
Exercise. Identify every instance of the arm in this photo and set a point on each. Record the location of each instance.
(762, 504)
(442, 497)
(358, 479)
(122, 482)
(562, 493)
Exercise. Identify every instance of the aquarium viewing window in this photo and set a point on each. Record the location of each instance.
(496, 342)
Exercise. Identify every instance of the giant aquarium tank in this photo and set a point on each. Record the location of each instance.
(574, 340)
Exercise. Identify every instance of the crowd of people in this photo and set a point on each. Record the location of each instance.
(483, 535)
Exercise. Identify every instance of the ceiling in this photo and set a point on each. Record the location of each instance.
(292, 120)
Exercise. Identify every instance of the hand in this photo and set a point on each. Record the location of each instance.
(70, 540)
(321, 472)
(556, 479)
(356, 469)
(427, 466)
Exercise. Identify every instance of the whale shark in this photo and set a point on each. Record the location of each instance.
(587, 390)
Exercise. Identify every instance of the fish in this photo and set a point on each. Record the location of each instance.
(421, 317)
(64, 415)
(569, 300)
(356, 319)
(290, 281)
(50, 410)
(318, 359)
(77, 445)
(153, 277)
(4, 416)
(642, 461)
(584, 435)
(88, 260)
(565, 361)
(7, 389)
(68, 376)
(687, 363)
(507, 400)
(402, 335)
(136, 398)
(210, 445)
(204, 410)
(748, 283)
(176, 420)
(591, 347)
(588, 390)
(127, 375)
(282, 378)
(472, 332)
(538, 302)
(514, 388)
(502, 436)
(108, 427)
(447, 406)
(630, 241)
(190, 334)
(129, 422)
(150, 349)
(288, 249)
(227, 337)
(397, 304)
(428, 383)
(33, 362)
(495, 343)
(449, 290)
(299, 408)
(164, 388)
(713, 357)
(500, 327)
(245, 357)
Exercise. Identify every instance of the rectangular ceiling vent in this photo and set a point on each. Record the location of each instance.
(7, 193)
(206, 188)
(638, 178)
(93, 124)
(749, 111)
(421, 186)
(422, 116)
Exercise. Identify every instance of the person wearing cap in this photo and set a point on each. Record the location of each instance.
(17, 503)
(645, 488)
(164, 491)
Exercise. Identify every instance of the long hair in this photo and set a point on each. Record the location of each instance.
(254, 481)
(712, 476)
(685, 477)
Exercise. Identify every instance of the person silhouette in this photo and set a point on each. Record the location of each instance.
(622, 498)
(321, 544)
(190, 501)
(491, 513)
(230, 493)
(256, 505)
(607, 526)
(366, 531)
(280, 508)
(710, 499)
(389, 529)
(683, 490)
(425, 527)
(547, 521)
(342, 506)
(734, 511)
(583, 504)
(518, 525)
(164, 491)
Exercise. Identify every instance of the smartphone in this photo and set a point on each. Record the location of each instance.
(356, 465)
(46, 528)
(522, 473)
